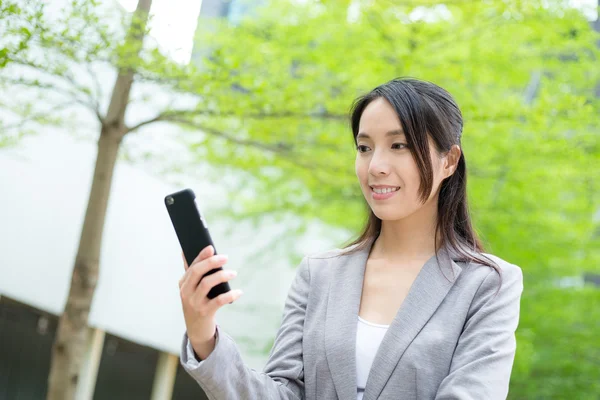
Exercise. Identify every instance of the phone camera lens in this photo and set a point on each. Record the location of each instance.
(170, 200)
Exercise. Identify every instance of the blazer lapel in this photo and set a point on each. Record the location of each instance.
(426, 293)
(340, 325)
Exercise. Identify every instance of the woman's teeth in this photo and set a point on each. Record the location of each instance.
(385, 190)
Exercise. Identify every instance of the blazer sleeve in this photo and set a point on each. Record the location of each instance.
(484, 355)
(223, 374)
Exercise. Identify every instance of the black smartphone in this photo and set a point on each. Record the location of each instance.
(192, 231)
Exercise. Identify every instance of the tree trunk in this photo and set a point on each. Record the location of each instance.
(69, 346)
(68, 350)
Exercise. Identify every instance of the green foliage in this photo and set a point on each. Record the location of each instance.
(18, 26)
(526, 93)
(524, 75)
(558, 356)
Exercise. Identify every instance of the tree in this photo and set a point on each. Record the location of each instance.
(69, 346)
(49, 56)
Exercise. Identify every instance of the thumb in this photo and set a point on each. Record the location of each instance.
(185, 264)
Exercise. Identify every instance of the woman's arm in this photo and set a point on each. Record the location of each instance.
(223, 374)
(483, 359)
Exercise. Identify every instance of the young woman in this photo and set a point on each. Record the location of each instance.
(413, 309)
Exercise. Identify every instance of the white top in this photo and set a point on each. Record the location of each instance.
(368, 339)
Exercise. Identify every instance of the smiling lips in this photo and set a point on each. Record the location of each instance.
(383, 192)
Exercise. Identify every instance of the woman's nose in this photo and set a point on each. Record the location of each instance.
(379, 166)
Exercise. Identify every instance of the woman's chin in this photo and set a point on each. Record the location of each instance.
(388, 215)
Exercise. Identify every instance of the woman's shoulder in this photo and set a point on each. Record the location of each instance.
(326, 254)
(321, 264)
(334, 256)
(504, 274)
(321, 260)
(501, 266)
(339, 252)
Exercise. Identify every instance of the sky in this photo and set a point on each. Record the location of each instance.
(174, 23)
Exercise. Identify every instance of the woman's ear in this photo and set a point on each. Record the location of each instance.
(451, 160)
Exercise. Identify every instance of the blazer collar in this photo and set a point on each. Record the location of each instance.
(426, 293)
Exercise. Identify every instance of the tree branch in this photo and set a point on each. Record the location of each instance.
(280, 149)
(45, 86)
(179, 115)
(98, 89)
(91, 103)
(36, 116)
(230, 138)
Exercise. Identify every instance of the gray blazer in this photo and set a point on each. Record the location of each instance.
(453, 337)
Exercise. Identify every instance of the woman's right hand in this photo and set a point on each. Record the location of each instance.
(198, 310)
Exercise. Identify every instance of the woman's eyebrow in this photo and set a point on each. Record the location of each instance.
(396, 132)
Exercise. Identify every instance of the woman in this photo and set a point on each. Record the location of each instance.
(413, 309)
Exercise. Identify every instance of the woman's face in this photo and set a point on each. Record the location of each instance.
(388, 174)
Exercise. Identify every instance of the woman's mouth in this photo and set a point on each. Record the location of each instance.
(383, 193)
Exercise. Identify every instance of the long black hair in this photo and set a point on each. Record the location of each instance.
(427, 110)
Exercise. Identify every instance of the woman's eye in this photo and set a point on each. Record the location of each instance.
(362, 148)
(399, 146)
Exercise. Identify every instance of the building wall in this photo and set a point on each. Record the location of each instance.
(46, 182)
(26, 336)
(126, 370)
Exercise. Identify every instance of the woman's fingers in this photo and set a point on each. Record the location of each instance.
(212, 280)
(222, 299)
(200, 302)
(194, 274)
(185, 265)
(206, 252)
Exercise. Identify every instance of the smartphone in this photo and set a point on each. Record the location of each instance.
(192, 231)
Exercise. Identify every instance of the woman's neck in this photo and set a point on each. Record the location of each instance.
(412, 237)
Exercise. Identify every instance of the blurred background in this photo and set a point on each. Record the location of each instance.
(107, 106)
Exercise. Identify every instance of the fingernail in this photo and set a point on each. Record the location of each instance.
(232, 273)
(221, 257)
